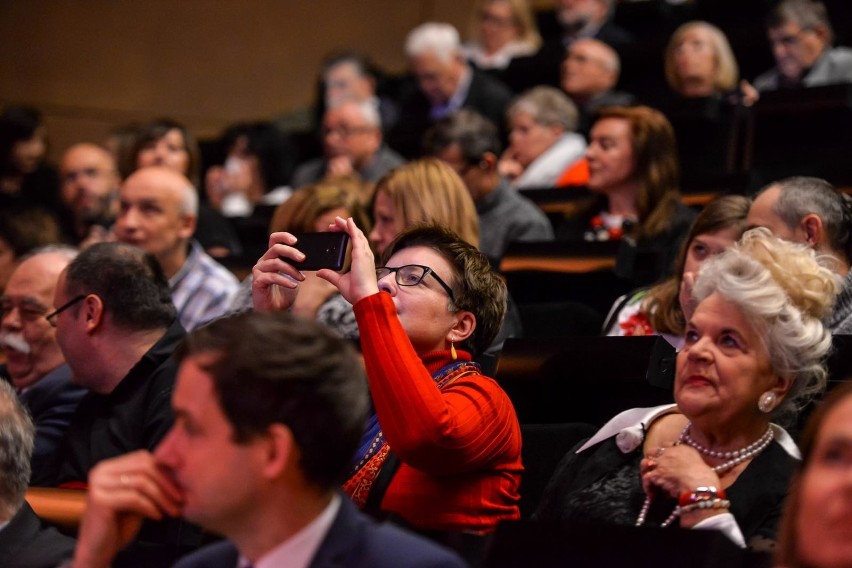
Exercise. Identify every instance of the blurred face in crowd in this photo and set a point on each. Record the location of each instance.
(89, 181)
(387, 224)
(707, 245)
(497, 25)
(7, 262)
(344, 82)
(578, 13)
(169, 151)
(479, 179)
(28, 154)
(695, 57)
(824, 524)
(437, 79)
(610, 154)
(25, 335)
(530, 139)
(151, 213)
(347, 133)
(796, 49)
(588, 69)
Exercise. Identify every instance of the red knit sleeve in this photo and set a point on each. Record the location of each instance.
(469, 424)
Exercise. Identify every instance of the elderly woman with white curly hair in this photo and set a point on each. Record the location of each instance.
(753, 351)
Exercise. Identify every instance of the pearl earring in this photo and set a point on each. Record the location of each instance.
(766, 402)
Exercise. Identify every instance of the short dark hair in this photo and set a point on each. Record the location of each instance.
(17, 435)
(269, 145)
(361, 61)
(130, 282)
(476, 287)
(276, 368)
(17, 123)
(474, 134)
(156, 129)
(26, 229)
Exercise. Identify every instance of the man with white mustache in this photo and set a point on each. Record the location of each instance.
(34, 363)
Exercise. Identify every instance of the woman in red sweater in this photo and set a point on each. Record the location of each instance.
(422, 314)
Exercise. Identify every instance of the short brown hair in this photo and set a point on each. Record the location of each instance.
(275, 368)
(476, 287)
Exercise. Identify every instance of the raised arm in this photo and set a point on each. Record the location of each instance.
(275, 282)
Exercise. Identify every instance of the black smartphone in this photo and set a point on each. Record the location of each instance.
(321, 250)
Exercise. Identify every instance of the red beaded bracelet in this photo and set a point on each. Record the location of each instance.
(701, 494)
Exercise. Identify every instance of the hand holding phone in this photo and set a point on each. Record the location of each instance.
(321, 250)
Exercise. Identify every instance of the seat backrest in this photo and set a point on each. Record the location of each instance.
(544, 446)
(585, 379)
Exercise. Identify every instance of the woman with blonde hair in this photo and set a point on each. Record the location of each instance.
(425, 191)
(699, 61)
(503, 30)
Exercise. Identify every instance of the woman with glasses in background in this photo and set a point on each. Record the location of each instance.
(443, 450)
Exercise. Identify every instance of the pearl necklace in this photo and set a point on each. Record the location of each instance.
(736, 457)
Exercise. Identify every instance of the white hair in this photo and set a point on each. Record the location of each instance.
(189, 200)
(784, 291)
(442, 40)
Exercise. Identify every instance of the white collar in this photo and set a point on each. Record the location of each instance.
(629, 429)
(299, 550)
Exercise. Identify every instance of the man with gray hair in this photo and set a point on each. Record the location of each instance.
(34, 362)
(544, 144)
(24, 542)
(446, 83)
(809, 210)
(589, 75)
(158, 212)
(801, 38)
(352, 144)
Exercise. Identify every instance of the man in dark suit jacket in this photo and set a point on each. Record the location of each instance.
(35, 365)
(24, 542)
(269, 412)
(446, 83)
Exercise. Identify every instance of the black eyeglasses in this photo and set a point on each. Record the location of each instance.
(51, 317)
(412, 275)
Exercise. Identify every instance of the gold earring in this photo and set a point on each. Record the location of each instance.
(453, 353)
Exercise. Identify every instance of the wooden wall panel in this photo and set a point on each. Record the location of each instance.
(93, 64)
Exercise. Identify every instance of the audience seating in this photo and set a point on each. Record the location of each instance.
(544, 445)
(802, 132)
(62, 508)
(581, 545)
(560, 271)
(585, 379)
